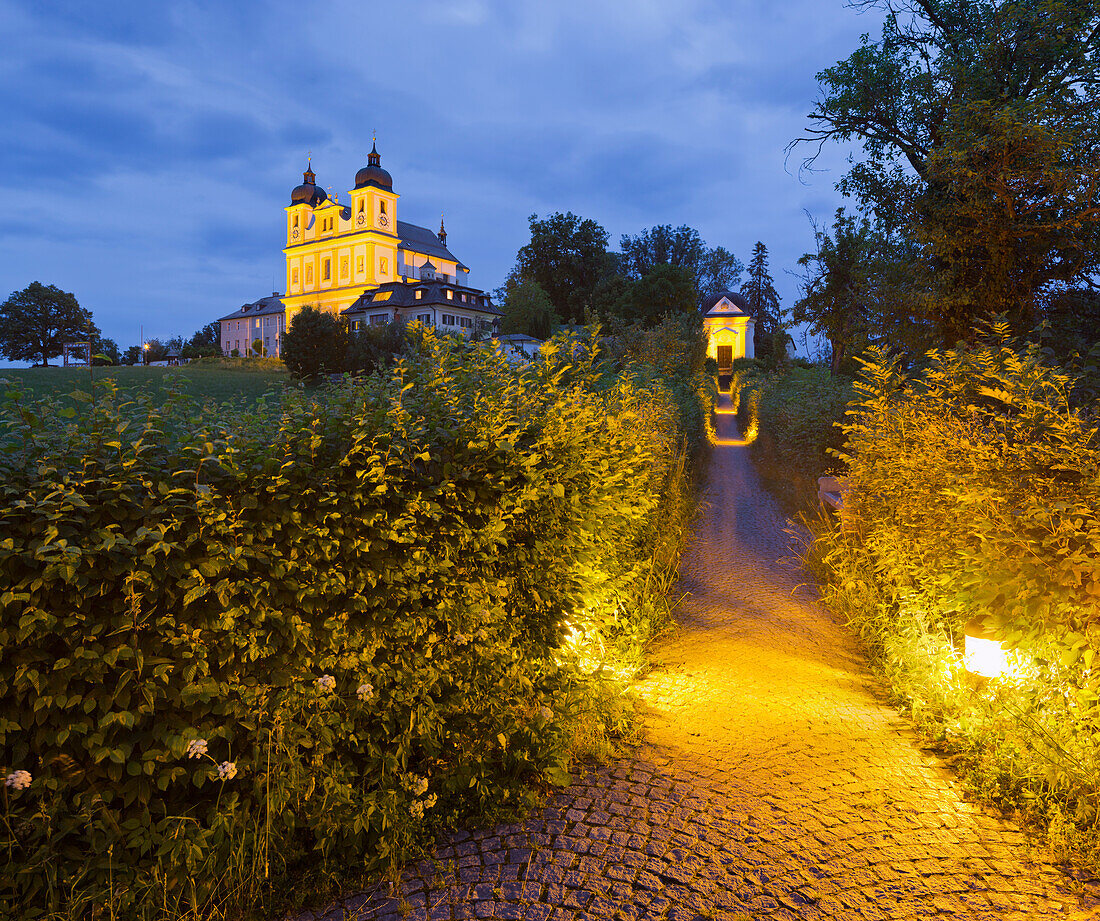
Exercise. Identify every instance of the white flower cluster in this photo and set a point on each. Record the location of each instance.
(416, 810)
(546, 713)
(326, 683)
(18, 780)
(483, 634)
(365, 692)
(196, 748)
(227, 770)
(419, 786)
(461, 639)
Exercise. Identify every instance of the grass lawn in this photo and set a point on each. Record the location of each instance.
(223, 382)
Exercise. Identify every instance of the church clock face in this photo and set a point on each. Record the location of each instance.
(294, 234)
(362, 219)
(383, 220)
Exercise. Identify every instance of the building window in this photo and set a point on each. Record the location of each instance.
(326, 269)
(309, 275)
(465, 322)
(354, 326)
(296, 222)
(344, 267)
(362, 204)
(424, 318)
(379, 319)
(359, 265)
(383, 267)
(381, 207)
(418, 293)
(448, 319)
(294, 277)
(450, 294)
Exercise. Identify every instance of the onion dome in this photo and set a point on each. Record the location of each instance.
(372, 173)
(308, 193)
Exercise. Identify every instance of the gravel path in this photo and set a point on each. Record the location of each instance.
(773, 783)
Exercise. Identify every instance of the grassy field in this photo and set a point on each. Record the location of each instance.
(221, 381)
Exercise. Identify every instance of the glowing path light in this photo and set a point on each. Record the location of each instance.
(983, 653)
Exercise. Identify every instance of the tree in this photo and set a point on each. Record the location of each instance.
(36, 322)
(978, 120)
(711, 270)
(567, 256)
(315, 344)
(105, 352)
(665, 290)
(836, 286)
(759, 290)
(204, 342)
(132, 355)
(528, 310)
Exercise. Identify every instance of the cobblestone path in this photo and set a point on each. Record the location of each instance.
(774, 784)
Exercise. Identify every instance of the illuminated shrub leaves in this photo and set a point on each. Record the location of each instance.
(235, 641)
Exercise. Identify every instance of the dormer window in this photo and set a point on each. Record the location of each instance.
(419, 293)
(450, 294)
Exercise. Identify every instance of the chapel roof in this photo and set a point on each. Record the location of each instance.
(739, 303)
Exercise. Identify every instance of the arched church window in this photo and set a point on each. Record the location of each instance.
(309, 275)
(326, 270)
(383, 267)
(359, 265)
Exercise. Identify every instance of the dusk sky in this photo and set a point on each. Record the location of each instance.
(151, 147)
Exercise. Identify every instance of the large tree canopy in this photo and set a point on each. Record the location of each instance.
(979, 122)
(35, 323)
(567, 257)
(710, 269)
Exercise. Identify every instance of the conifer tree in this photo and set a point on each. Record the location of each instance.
(759, 290)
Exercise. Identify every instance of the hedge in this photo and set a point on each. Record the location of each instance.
(976, 494)
(238, 641)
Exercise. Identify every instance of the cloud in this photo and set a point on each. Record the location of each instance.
(152, 147)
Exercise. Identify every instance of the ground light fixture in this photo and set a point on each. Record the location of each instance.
(983, 653)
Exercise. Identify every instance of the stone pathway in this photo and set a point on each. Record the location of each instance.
(773, 783)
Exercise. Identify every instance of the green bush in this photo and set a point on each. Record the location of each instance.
(315, 344)
(366, 611)
(977, 494)
(791, 418)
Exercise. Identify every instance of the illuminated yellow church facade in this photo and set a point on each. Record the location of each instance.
(338, 251)
(729, 329)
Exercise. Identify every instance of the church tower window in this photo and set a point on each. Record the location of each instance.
(326, 269)
(294, 277)
(344, 267)
(309, 275)
(359, 265)
(383, 267)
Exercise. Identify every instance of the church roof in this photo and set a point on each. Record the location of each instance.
(264, 306)
(433, 294)
(422, 240)
(739, 305)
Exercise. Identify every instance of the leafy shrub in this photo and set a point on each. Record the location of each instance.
(977, 490)
(234, 645)
(794, 415)
(315, 344)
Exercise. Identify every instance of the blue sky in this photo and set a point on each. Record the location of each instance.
(150, 147)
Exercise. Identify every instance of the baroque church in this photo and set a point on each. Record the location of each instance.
(357, 260)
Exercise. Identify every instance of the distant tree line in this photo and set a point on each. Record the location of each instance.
(567, 275)
(37, 322)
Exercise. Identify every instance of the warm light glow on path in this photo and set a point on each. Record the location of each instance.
(774, 783)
